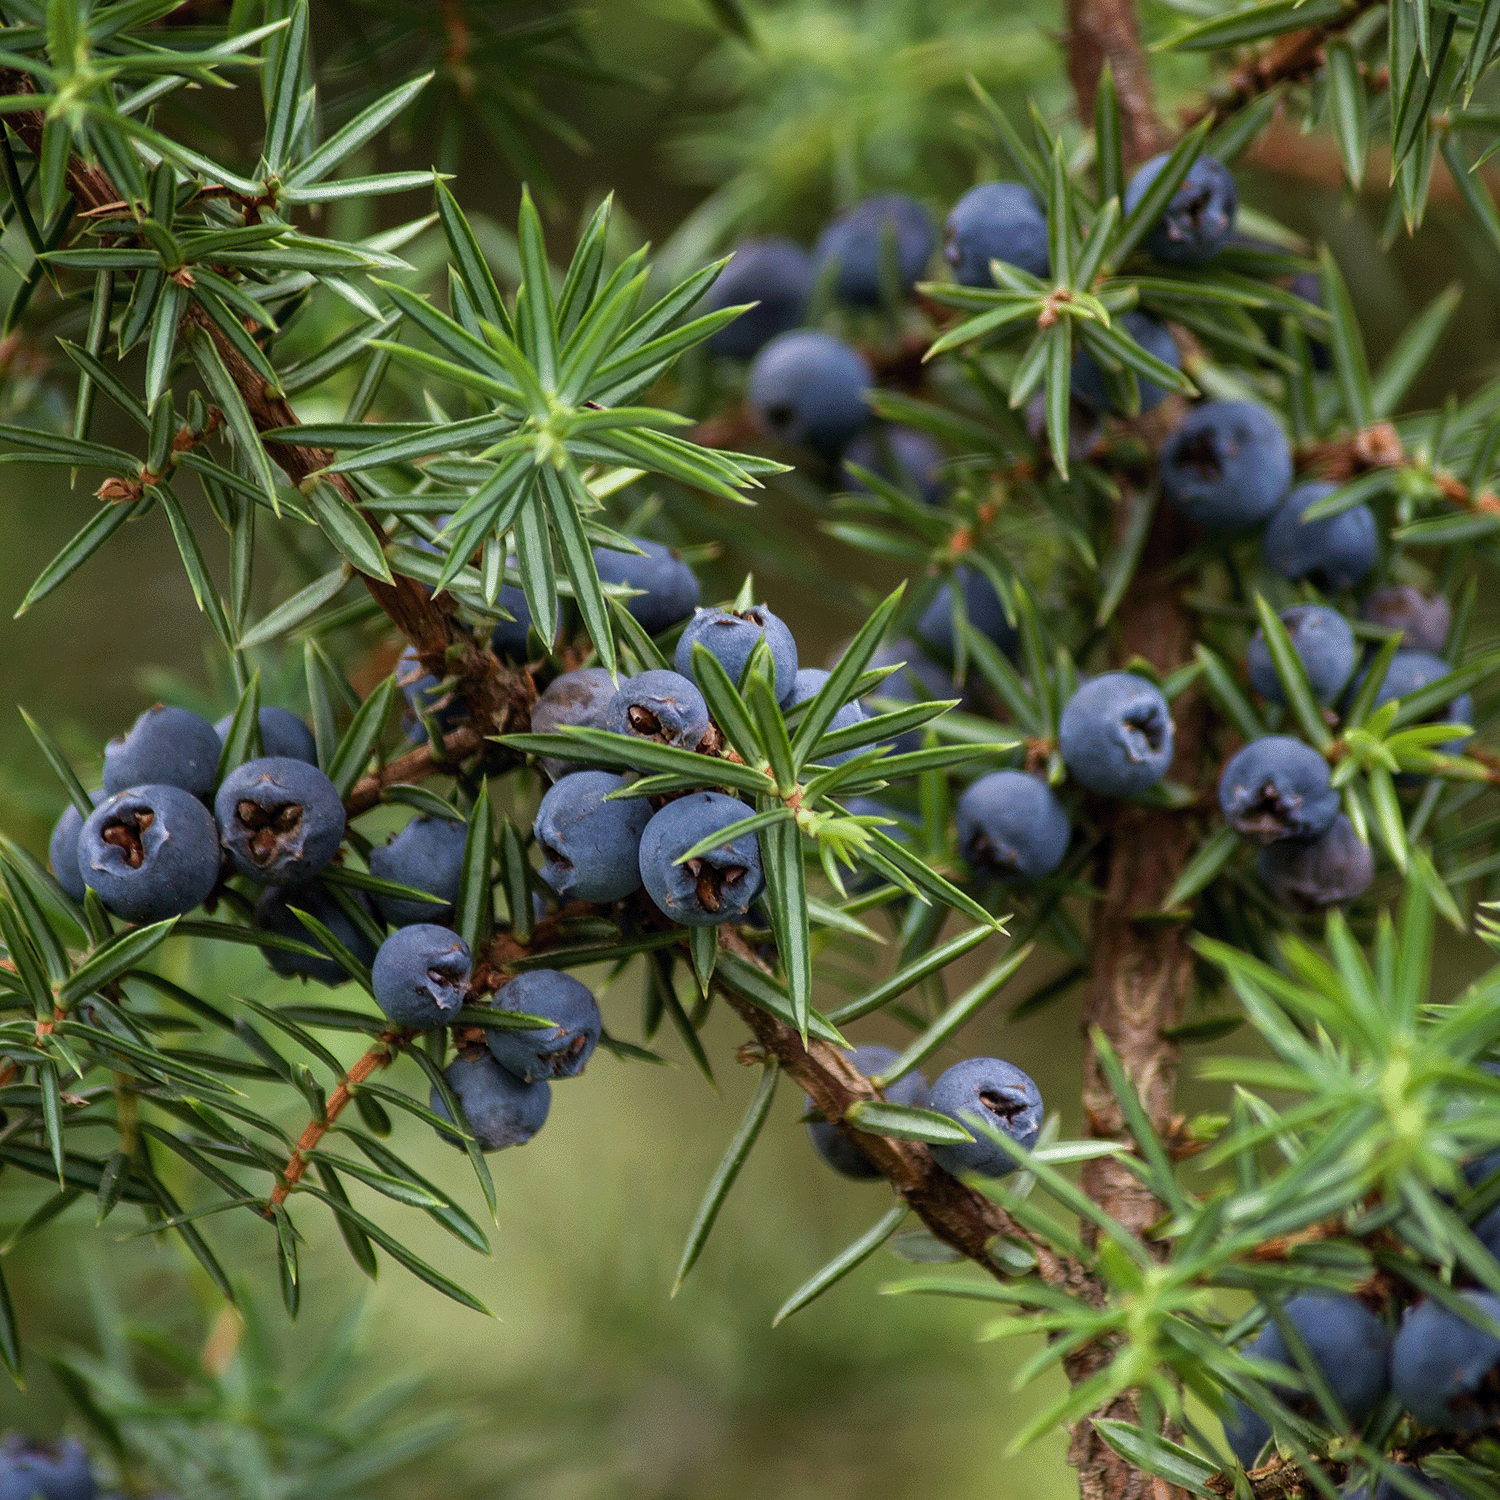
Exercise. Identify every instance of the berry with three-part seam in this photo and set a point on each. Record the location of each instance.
(1278, 788)
(1115, 735)
(150, 853)
(719, 885)
(1410, 672)
(62, 848)
(165, 747)
(1309, 876)
(282, 733)
(1226, 465)
(583, 698)
(1333, 553)
(901, 456)
(37, 1471)
(1012, 825)
(855, 243)
(805, 687)
(773, 272)
(591, 845)
(807, 389)
(832, 1144)
(281, 820)
(1199, 216)
(428, 855)
(421, 975)
(993, 1092)
(1324, 644)
(562, 1052)
(996, 221)
(661, 706)
(1423, 620)
(274, 914)
(731, 635)
(1089, 382)
(501, 1110)
(982, 606)
(1445, 1370)
(669, 587)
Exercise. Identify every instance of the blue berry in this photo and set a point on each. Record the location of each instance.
(661, 706)
(719, 886)
(809, 390)
(1116, 735)
(500, 1110)
(1333, 554)
(1410, 672)
(996, 221)
(273, 914)
(1324, 644)
(773, 272)
(731, 635)
(1089, 383)
(282, 733)
(1011, 825)
(670, 586)
(1199, 217)
(855, 244)
(512, 638)
(917, 680)
(1227, 465)
(35, 1471)
(591, 846)
(1446, 1371)
(1310, 876)
(62, 850)
(421, 975)
(1424, 622)
(428, 855)
(902, 456)
(165, 747)
(832, 1144)
(808, 683)
(582, 697)
(1386, 1489)
(281, 820)
(996, 1093)
(425, 696)
(562, 1052)
(982, 606)
(1278, 788)
(150, 853)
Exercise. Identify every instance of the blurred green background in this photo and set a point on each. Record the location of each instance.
(592, 1382)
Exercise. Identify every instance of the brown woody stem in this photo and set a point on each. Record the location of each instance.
(1108, 32)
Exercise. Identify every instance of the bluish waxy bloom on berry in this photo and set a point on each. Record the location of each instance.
(987, 1091)
(583, 698)
(664, 707)
(982, 606)
(832, 1144)
(150, 853)
(1446, 1371)
(1278, 788)
(918, 679)
(274, 914)
(62, 848)
(902, 456)
(421, 975)
(1226, 465)
(1423, 620)
(1199, 216)
(1333, 553)
(855, 243)
(1115, 735)
(281, 820)
(805, 687)
(1311, 875)
(428, 855)
(1427, 1484)
(1089, 382)
(281, 733)
(562, 1052)
(717, 886)
(773, 272)
(425, 697)
(1324, 644)
(500, 1109)
(45, 1471)
(996, 221)
(809, 390)
(1410, 672)
(1012, 825)
(669, 587)
(165, 747)
(591, 845)
(512, 638)
(731, 635)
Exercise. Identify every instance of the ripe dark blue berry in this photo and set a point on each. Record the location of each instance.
(500, 1110)
(902, 456)
(62, 848)
(661, 706)
(591, 846)
(150, 853)
(718, 886)
(982, 606)
(1227, 465)
(996, 221)
(1311, 876)
(165, 747)
(281, 820)
(986, 1091)
(1011, 825)
(806, 686)
(1445, 1370)
(428, 855)
(1333, 553)
(1278, 788)
(917, 680)
(670, 588)
(1424, 621)
(36, 1471)
(512, 638)
(421, 975)
(773, 272)
(562, 1052)
(1089, 383)
(1199, 216)
(731, 635)
(1324, 644)
(582, 697)
(1410, 672)
(1116, 735)
(855, 244)
(809, 390)
(1427, 1484)
(425, 696)
(832, 1144)
(281, 733)
(274, 914)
